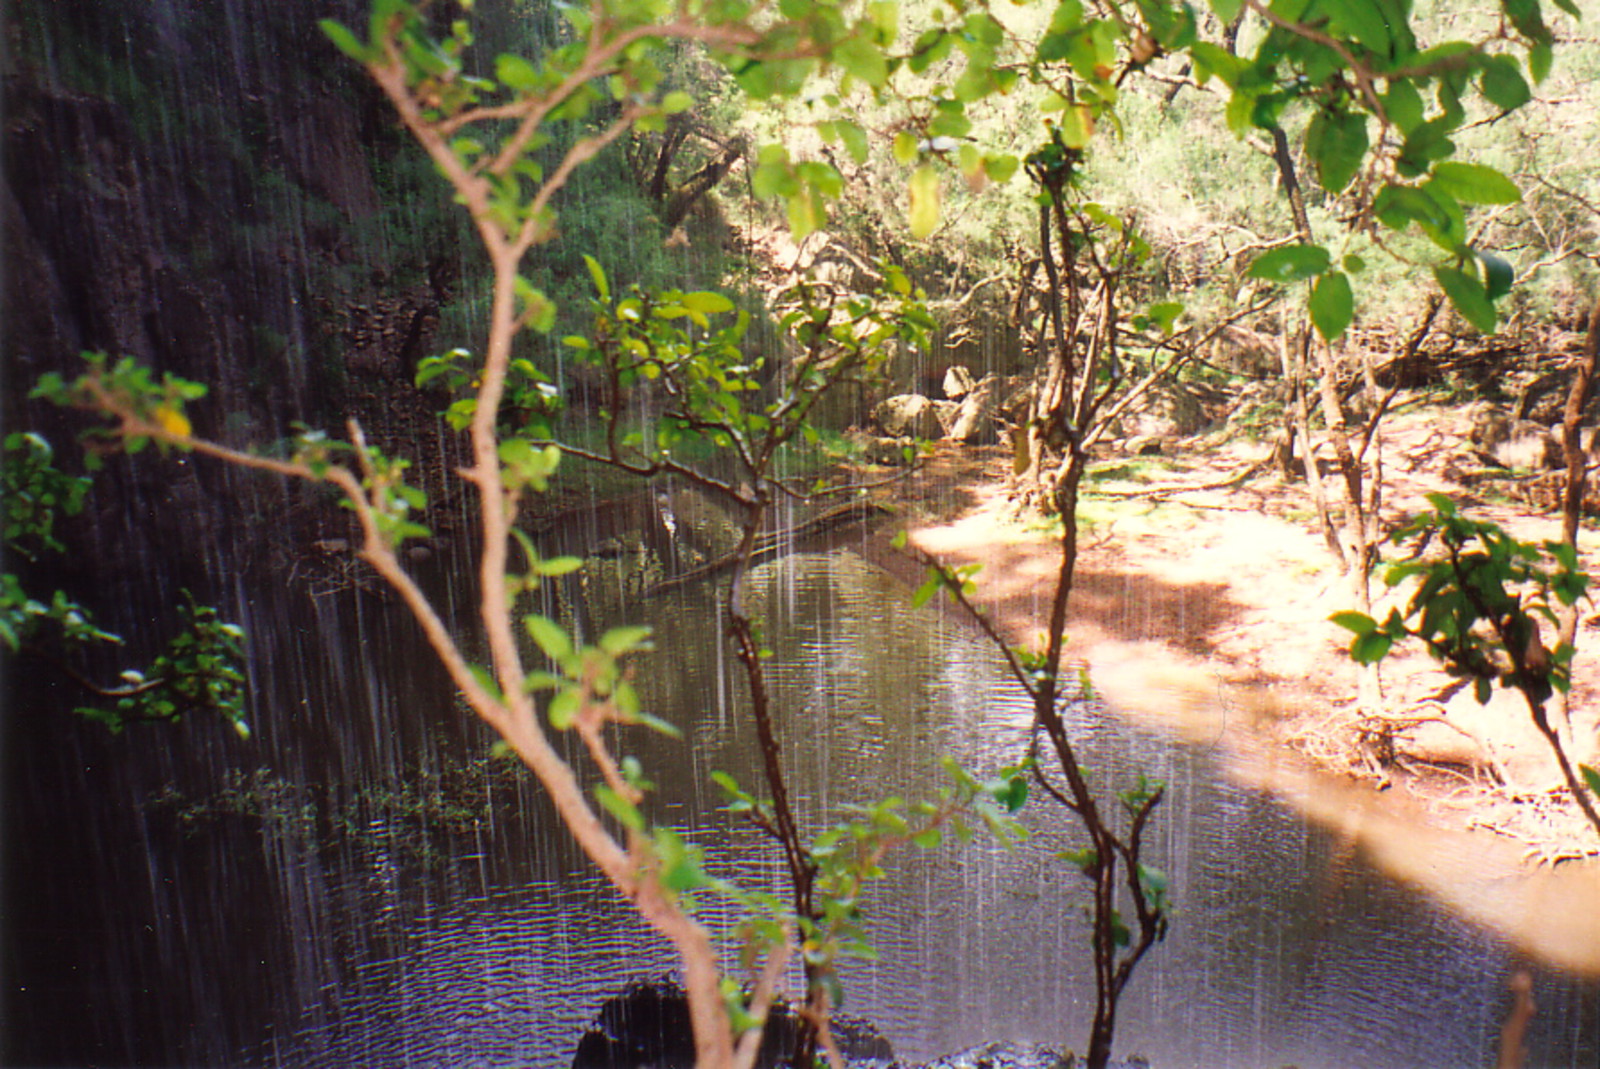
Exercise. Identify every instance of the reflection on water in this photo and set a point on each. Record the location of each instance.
(495, 944)
(1288, 949)
(1552, 913)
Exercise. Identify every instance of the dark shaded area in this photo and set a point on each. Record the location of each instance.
(204, 187)
(647, 1027)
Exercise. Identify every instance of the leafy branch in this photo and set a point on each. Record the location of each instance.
(1117, 948)
(1476, 608)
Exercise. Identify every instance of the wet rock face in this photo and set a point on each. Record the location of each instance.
(195, 186)
(202, 187)
(647, 1027)
(78, 217)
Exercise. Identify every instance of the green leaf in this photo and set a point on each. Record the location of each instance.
(707, 303)
(516, 73)
(774, 177)
(486, 680)
(549, 636)
(1498, 276)
(1154, 879)
(739, 800)
(1085, 859)
(556, 567)
(1011, 794)
(541, 680)
(1359, 622)
(345, 41)
(626, 812)
(1398, 206)
(1337, 143)
(598, 274)
(1212, 59)
(854, 138)
(1404, 106)
(1468, 296)
(659, 726)
(1000, 168)
(1502, 83)
(1291, 263)
(931, 47)
(805, 213)
(1164, 314)
(1426, 143)
(1077, 126)
(1365, 21)
(1370, 648)
(620, 640)
(564, 708)
(925, 194)
(626, 699)
(863, 59)
(905, 146)
(1473, 183)
(1443, 504)
(1332, 304)
(1591, 778)
(1540, 58)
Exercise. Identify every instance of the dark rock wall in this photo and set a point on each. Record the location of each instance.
(209, 187)
(203, 186)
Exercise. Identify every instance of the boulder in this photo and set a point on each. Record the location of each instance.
(976, 419)
(876, 449)
(1167, 411)
(1528, 446)
(907, 414)
(1018, 391)
(647, 1027)
(1516, 443)
(1022, 1056)
(958, 382)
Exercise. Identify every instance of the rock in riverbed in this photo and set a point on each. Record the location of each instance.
(648, 1025)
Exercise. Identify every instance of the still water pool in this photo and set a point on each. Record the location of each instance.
(364, 889)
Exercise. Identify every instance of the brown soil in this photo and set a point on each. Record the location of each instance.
(1218, 599)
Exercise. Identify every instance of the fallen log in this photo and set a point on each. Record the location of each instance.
(770, 544)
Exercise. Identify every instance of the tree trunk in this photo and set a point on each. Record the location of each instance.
(1577, 461)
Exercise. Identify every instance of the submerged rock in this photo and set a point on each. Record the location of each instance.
(1006, 1056)
(647, 1025)
(1021, 1056)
